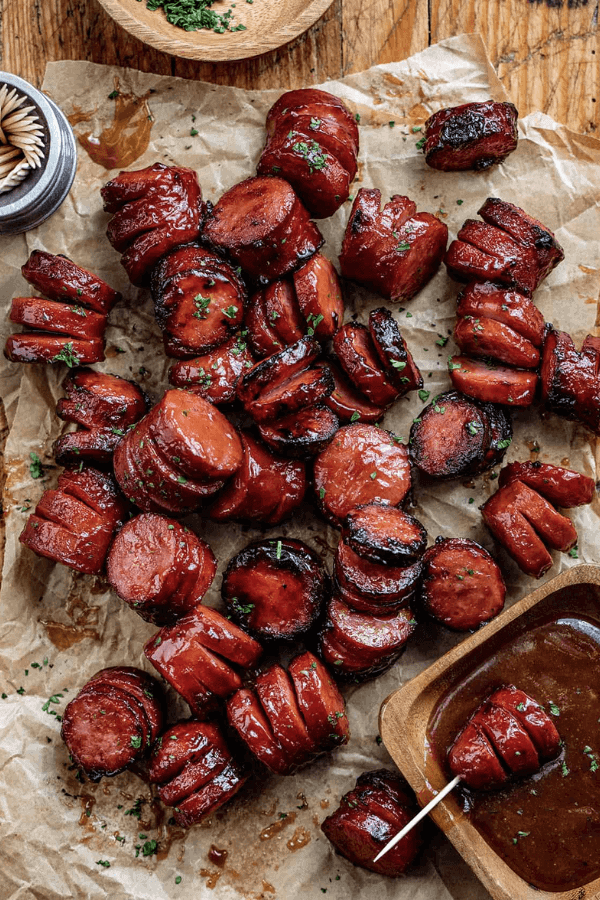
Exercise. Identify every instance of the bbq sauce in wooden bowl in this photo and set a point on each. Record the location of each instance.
(547, 827)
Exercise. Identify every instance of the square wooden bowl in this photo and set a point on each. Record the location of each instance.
(405, 714)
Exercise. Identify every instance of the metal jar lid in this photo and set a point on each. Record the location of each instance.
(43, 190)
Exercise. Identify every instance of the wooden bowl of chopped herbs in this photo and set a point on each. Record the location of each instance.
(215, 30)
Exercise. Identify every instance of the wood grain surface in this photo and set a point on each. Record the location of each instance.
(546, 51)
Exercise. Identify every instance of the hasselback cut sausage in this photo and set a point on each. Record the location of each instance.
(522, 520)
(301, 434)
(471, 136)
(570, 380)
(348, 403)
(372, 587)
(482, 380)
(394, 251)
(485, 300)
(194, 656)
(319, 296)
(369, 816)
(112, 721)
(490, 338)
(277, 697)
(215, 375)
(321, 704)
(75, 523)
(462, 586)
(357, 645)
(59, 278)
(562, 487)
(358, 357)
(261, 224)
(194, 770)
(509, 734)
(159, 568)
(398, 364)
(384, 534)
(455, 436)
(247, 717)
(514, 264)
(266, 488)
(275, 589)
(155, 209)
(362, 464)
(199, 300)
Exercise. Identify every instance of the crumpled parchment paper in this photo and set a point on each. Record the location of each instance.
(60, 838)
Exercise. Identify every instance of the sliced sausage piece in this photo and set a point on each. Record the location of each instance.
(266, 489)
(526, 230)
(98, 490)
(384, 534)
(319, 296)
(471, 136)
(465, 262)
(473, 758)
(142, 686)
(215, 376)
(103, 731)
(520, 518)
(95, 447)
(462, 586)
(277, 697)
(450, 437)
(348, 403)
(362, 464)
(46, 348)
(509, 739)
(212, 796)
(398, 364)
(285, 397)
(312, 102)
(320, 701)
(520, 263)
(262, 225)
(275, 589)
(303, 433)
(246, 716)
(492, 384)
(283, 313)
(487, 337)
(99, 400)
(487, 300)
(370, 642)
(264, 340)
(136, 184)
(58, 278)
(562, 487)
(569, 380)
(194, 776)
(381, 584)
(356, 352)
(181, 744)
(277, 368)
(536, 722)
(57, 318)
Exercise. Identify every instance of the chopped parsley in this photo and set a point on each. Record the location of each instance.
(195, 15)
(201, 303)
(403, 245)
(355, 416)
(313, 155)
(67, 355)
(573, 552)
(231, 312)
(36, 470)
(424, 395)
(554, 710)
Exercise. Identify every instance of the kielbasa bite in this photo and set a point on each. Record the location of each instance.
(470, 136)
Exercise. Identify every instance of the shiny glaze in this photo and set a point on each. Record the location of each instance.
(470, 136)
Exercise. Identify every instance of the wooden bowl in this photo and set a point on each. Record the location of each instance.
(268, 25)
(405, 715)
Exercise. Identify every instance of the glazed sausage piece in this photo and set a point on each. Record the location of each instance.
(454, 436)
(360, 645)
(160, 569)
(185, 654)
(95, 447)
(534, 719)
(368, 817)
(320, 702)
(472, 756)
(319, 296)
(384, 534)
(301, 434)
(48, 348)
(471, 136)
(155, 209)
(394, 251)
(310, 103)
(275, 589)
(283, 313)
(75, 523)
(263, 339)
(462, 586)
(57, 318)
(562, 487)
(519, 264)
(362, 464)
(203, 802)
(198, 298)
(522, 520)
(485, 300)
(262, 225)
(60, 279)
(99, 400)
(358, 357)
(492, 384)
(371, 587)
(215, 376)
(107, 726)
(347, 402)
(398, 364)
(489, 338)
(266, 489)
(570, 380)
(276, 694)
(247, 717)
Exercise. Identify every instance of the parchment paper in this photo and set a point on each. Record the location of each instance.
(57, 627)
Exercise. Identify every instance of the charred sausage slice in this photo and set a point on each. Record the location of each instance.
(488, 337)
(277, 368)
(519, 263)
(264, 340)
(46, 348)
(319, 296)
(536, 722)
(362, 464)
(526, 230)
(245, 714)
(510, 740)
(99, 400)
(462, 586)
(470, 136)
(562, 487)
(215, 376)
(473, 758)
(283, 313)
(275, 589)
(347, 402)
(465, 262)
(277, 697)
(569, 380)
(312, 102)
(58, 278)
(489, 301)
(57, 318)
(358, 357)
(183, 743)
(492, 384)
(320, 701)
(384, 534)
(212, 796)
(301, 434)
(395, 357)
(142, 686)
(95, 447)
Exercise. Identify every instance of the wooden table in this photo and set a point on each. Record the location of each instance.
(546, 51)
